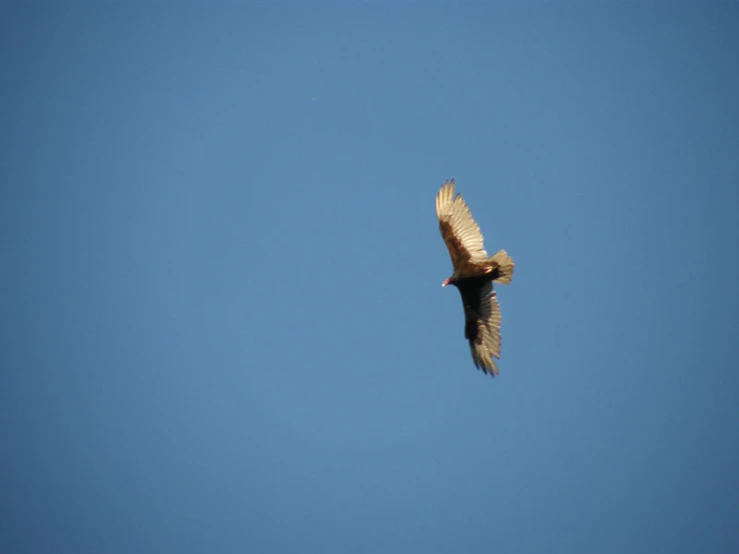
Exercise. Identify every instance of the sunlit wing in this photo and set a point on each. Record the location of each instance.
(458, 229)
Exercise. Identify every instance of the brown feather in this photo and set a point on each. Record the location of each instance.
(460, 232)
(459, 255)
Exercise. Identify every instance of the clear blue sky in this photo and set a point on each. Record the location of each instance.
(223, 326)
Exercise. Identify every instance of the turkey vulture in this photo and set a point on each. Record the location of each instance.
(474, 274)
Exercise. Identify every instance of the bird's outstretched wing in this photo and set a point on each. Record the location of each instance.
(482, 325)
(458, 229)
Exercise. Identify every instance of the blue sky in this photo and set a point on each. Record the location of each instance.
(223, 327)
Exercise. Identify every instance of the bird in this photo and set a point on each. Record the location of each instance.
(474, 274)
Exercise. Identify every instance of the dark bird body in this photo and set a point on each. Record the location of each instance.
(474, 274)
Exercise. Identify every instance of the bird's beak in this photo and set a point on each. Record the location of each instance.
(445, 283)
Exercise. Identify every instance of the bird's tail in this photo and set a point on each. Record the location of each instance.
(504, 267)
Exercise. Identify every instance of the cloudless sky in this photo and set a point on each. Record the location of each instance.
(222, 322)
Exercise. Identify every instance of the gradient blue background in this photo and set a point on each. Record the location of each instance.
(223, 329)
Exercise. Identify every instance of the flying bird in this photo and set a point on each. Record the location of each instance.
(473, 275)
